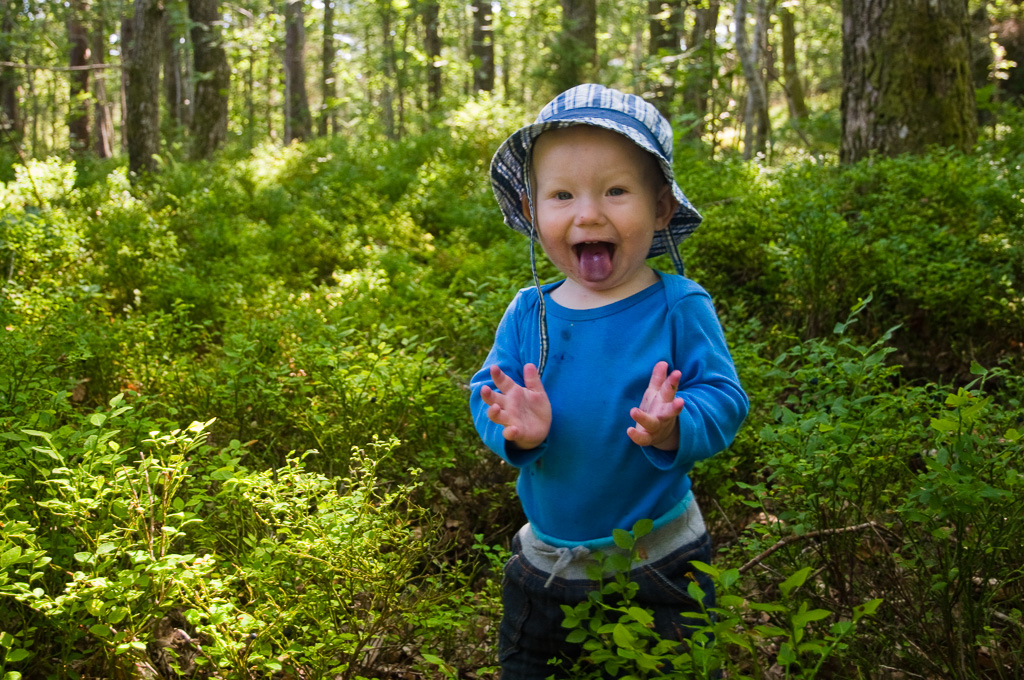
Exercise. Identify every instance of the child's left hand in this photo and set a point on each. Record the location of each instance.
(657, 418)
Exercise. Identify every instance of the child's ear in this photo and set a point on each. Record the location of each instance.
(664, 207)
(526, 207)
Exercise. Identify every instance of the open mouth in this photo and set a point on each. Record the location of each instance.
(594, 259)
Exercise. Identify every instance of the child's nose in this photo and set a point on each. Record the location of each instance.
(587, 211)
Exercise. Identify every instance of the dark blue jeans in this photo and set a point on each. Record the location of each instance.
(531, 630)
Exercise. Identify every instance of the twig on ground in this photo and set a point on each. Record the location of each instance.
(799, 537)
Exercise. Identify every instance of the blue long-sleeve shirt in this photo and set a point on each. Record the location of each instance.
(588, 477)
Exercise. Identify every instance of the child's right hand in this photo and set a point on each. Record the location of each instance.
(524, 410)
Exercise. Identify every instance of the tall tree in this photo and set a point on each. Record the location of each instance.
(78, 88)
(140, 34)
(298, 122)
(755, 139)
(213, 78)
(906, 77)
(102, 118)
(701, 65)
(174, 86)
(483, 46)
(790, 71)
(10, 115)
(429, 15)
(327, 123)
(665, 25)
(576, 47)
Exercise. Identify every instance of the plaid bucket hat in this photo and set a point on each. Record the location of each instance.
(603, 107)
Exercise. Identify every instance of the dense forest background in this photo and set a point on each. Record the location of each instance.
(249, 260)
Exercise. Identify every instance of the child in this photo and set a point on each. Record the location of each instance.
(605, 388)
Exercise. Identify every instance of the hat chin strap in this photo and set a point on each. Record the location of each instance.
(542, 321)
(673, 252)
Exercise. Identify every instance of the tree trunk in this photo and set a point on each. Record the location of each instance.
(665, 23)
(10, 114)
(906, 77)
(327, 122)
(1010, 36)
(387, 94)
(432, 47)
(483, 46)
(576, 48)
(790, 71)
(755, 139)
(173, 96)
(103, 140)
(140, 34)
(78, 90)
(213, 78)
(701, 66)
(298, 123)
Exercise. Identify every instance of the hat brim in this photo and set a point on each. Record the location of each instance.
(510, 161)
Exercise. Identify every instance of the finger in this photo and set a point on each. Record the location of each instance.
(488, 395)
(501, 379)
(531, 378)
(671, 385)
(639, 437)
(497, 415)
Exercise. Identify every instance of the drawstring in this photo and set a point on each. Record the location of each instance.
(565, 557)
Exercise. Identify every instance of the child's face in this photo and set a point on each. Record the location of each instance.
(600, 199)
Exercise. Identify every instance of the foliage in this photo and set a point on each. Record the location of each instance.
(618, 639)
(253, 570)
(334, 298)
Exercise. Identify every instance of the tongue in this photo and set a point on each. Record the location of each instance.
(595, 261)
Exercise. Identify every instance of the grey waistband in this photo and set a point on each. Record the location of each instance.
(571, 563)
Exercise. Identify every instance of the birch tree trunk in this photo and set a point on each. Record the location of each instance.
(906, 77)
(755, 138)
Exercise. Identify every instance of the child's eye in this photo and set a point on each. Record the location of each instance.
(617, 191)
(563, 195)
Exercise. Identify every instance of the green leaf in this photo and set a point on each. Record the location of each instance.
(18, 655)
(12, 675)
(97, 419)
(866, 609)
(794, 581)
(642, 528)
(803, 618)
(623, 636)
(977, 369)
(706, 568)
(9, 557)
(576, 636)
(100, 630)
(623, 539)
(6, 639)
(116, 614)
(641, 615)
